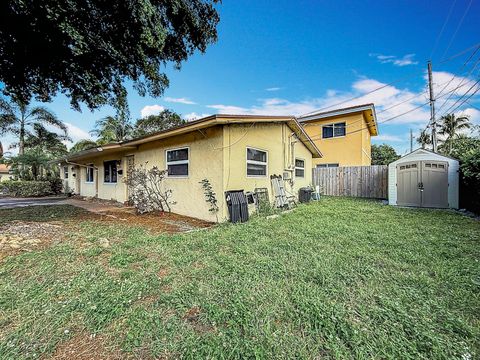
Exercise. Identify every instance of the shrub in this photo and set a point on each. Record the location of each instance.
(56, 185)
(20, 188)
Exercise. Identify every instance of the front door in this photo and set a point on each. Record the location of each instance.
(435, 184)
(408, 184)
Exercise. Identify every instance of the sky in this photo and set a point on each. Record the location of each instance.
(294, 57)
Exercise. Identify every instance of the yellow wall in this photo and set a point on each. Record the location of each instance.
(350, 150)
(217, 154)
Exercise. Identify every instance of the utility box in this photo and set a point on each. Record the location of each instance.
(237, 206)
(304, 194)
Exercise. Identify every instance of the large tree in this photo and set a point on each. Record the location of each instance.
(383, 154)
(424, 139)
(451, 127)
(167, 119)
(113, 129)
(82, 145)
(47, 141)
(87, 49)
(16, 117)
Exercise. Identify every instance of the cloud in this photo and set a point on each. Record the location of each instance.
(151, 110)
(77, 133)
(194, 116)
(180, 100)
(273, 89)
(391, 59)
(386, 137)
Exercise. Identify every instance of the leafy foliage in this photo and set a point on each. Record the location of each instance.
(424, 139)
(19, 188)
(113, 129)
(146, 189)
(167, 119)
(383, 154)
(82, 145)
(210, 196)
(86, 49)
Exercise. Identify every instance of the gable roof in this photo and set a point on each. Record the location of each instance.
(421, 151)
(209, 121)
(368, 111)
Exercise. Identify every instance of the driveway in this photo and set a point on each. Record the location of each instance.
(10, 203)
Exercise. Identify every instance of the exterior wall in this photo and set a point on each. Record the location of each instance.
(4, 176)
(453, 175)
(205, 162)
(70, 183)
(277, 141)
(351, 150)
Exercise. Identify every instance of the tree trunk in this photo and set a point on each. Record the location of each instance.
(21, 142)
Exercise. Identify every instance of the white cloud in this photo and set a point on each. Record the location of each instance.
(273, 88)
(386, 137)
(391, 59)
(77, 133)
(194, 116)
(180, 100)
(151, 110)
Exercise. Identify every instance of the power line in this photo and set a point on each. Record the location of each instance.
(458, 28)
(443, 28)
(461, 97)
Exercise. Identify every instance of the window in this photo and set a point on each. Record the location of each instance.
(299, 168)
(327, 165)
(89, 173)
(65, 172)
(256, 162)
(177, 162)
(110, 171)
(333, 130)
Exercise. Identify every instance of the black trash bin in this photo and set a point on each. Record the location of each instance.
(237, 206)
(305, 194)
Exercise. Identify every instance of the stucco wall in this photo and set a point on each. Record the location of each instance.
(350, 150)
(275, 140)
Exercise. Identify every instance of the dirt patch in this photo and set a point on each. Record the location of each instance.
(87, 347)
(192, 317)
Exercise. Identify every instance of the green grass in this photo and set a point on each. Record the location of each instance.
(40, 213)
(338, 279)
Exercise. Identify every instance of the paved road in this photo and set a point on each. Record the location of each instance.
(10, 203)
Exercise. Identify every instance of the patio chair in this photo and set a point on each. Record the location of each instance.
(283, 199)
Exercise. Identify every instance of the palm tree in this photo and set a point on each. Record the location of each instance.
(49, 142)
(424, 139)
(16, 117)
(450, 127)
(82, 145)
(112, 129)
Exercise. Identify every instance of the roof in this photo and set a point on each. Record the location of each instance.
(3, 168)
(209, 121)
(421, 151)
(368, 111)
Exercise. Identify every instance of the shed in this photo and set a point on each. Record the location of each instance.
(423, 178)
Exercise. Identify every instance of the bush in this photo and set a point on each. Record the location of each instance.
(56, 185)
(20, 188)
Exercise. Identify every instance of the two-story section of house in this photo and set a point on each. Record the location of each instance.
(344, 135)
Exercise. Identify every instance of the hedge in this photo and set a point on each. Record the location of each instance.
(21, 188)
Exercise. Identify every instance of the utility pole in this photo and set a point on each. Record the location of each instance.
(411, 140)
(433, 122)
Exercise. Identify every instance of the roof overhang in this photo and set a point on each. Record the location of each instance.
(368, 111)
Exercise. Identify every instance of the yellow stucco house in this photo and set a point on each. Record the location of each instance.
(343, 135)
(234, 152)
(4, 172)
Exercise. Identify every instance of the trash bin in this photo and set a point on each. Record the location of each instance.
(237, 206)
(304, 194)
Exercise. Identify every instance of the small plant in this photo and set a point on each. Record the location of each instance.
(210, 196)
(146, 189)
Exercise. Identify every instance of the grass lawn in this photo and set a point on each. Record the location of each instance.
(342, 279)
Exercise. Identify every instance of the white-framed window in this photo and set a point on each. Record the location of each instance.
(65, 172)
(334, 130)
(110, 172)
(177, 162)
(89, 173)
(299, 168)
(257, 161)
(327, 165)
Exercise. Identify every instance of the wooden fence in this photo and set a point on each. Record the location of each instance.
(357, 181)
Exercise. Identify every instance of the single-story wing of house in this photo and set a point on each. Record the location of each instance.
(234, 152)
(4, 172)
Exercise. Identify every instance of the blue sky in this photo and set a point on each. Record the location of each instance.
(292, 57)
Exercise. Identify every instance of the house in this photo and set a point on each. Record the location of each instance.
(423, 178)
(344, 135)
(234, 152)
(4, 172)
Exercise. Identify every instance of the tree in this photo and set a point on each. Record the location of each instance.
(450, 127)
(167, 119)
(82, 145)
(17, 117)
(113, 129)
(47, 141)
(383, 154)
(87, 49)
(424, 139)
(35, 159)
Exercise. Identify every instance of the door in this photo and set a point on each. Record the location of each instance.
(408, 184)
(435, 184)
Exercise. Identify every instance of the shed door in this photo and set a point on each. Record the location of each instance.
(435, 184)
(408, 182)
